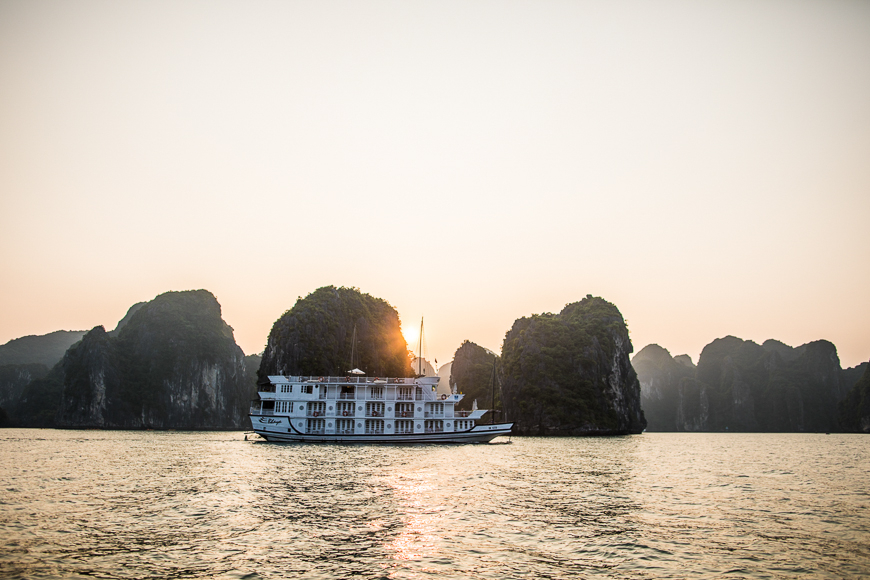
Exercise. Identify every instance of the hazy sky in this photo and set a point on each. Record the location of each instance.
(703, 165)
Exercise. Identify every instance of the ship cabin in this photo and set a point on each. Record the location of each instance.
(360, 405)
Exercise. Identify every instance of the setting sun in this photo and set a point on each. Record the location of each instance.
(412, 335)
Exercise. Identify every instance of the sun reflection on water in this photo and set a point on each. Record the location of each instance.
(417, 538)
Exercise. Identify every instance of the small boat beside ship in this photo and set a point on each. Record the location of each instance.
(362, 409)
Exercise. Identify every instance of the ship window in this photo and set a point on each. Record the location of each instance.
(307, 389)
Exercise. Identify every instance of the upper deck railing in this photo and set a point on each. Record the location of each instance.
(354, 388)
(355, 380)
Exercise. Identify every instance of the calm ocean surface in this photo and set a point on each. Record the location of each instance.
(122, 504)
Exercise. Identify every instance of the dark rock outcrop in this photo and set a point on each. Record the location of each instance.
(315, 337)
(849, 377)
(173, 365)
(685, 360)
(668, 404)
(252, 365)
(742, 386)
(14, 378)
(123, 322)
(570, 374)
(37, 406)
(855, 408)
(45, 349)
(472, 373)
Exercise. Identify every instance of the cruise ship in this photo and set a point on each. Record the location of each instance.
(362, 409)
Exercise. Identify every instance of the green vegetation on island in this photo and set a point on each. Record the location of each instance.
(569, 373)
(172, 363)
(316, 337)
(472, 373)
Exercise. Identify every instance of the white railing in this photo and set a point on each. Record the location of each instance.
(351, 380)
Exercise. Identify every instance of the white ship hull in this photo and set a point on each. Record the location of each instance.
(281, 430)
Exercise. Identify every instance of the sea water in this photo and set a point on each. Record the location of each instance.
(123, 504)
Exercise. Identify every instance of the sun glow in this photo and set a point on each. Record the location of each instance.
(412, 335)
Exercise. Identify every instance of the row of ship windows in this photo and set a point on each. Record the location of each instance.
(375, 391)
(347, 408)
(377, 425)
(305, 389)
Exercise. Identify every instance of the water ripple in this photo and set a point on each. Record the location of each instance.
(201, 505)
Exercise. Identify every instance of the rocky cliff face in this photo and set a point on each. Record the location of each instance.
(13, 379)
(855, 407)
(174, 364)
(472, 373)
(315, 337)
(742, 386)
(570, 374)
(668, 403)
(37, 405)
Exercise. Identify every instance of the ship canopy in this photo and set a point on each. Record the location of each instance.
(356, 372)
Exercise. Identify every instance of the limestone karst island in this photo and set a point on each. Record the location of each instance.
(173, 363)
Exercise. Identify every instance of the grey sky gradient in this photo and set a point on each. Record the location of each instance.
(703, 165)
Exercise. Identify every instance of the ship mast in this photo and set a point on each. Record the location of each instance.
(353, 346)
(492, 388)
(420, 350)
